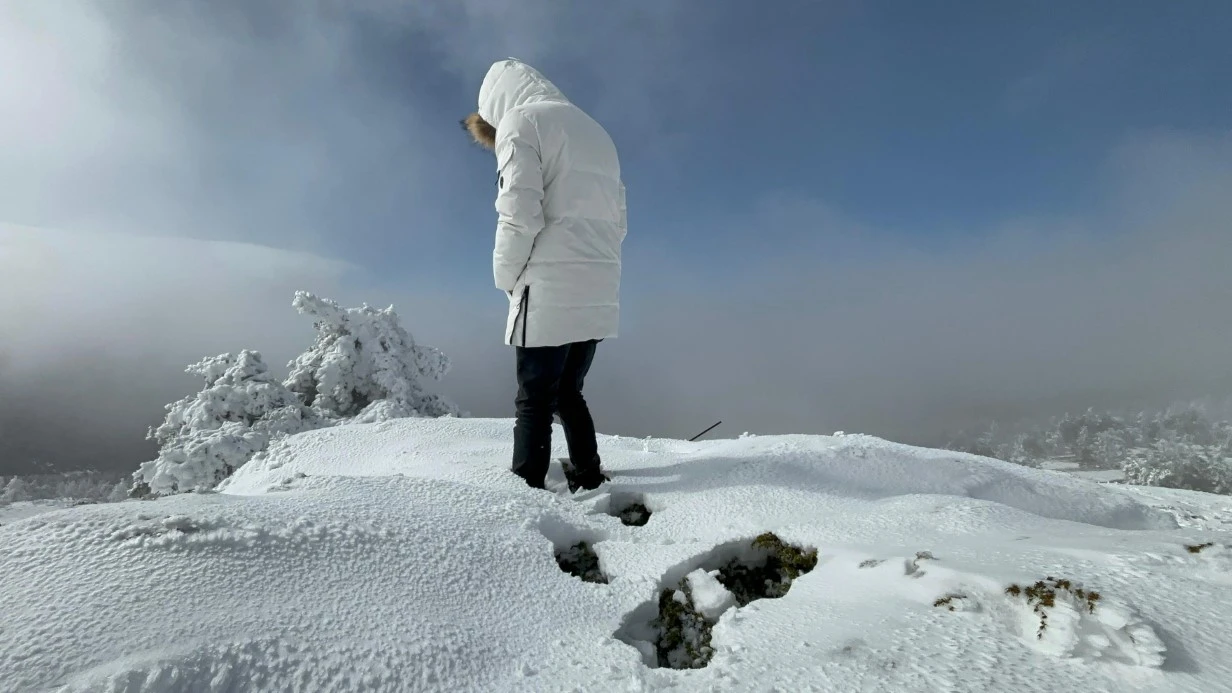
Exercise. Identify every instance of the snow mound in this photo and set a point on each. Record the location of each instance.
(184, 531)
(857, 467)
(255, 665)
(403, 556)
(871, 468)
(1058, 617)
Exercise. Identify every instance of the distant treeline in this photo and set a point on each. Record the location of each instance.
(1184, 446)
(84, 486)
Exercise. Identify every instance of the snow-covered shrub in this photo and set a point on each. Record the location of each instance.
(16, 489)
(207, 436)
(1181, 463)
(82, 485)
(364, 366)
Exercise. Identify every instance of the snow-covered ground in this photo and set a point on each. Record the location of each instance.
(1105, 475)
(20, 510)
(402, 556)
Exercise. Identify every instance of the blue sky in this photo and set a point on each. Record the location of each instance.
(923, 120)
(892, 217)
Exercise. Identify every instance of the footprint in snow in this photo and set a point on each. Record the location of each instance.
(629, 507)
(573, 548)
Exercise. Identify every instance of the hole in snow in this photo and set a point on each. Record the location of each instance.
(675, 630)
(573, 547)
(581, 561)
(630, 508)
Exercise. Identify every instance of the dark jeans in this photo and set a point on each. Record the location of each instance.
(550, 382)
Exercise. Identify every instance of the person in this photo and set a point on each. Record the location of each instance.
(561, 220)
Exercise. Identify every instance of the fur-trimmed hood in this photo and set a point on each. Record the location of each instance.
(509, 83)
(482, 132)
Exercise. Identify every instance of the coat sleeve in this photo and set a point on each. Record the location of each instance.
(519, 204)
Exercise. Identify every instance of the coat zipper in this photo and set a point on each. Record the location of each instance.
(523, 309)
(526, 311)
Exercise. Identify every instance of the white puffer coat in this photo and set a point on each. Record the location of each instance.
(560, 211)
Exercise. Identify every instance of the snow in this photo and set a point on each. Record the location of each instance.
(403, 556)
(20, 510)
(1104, 475)
(710, 597)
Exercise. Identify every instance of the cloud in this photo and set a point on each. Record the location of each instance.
(1120, 306)
(822, 324)
(232, 121)
(323, 128)
(98, 329)
(295, 124)
(63, 120)
(802, 320)
(314, 128)
(1071, 64)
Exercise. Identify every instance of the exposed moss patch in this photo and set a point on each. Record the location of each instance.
(1197, 548)
(1042, 596)
(763, 570)
(684, 633)
(581, 561)
(770, 577)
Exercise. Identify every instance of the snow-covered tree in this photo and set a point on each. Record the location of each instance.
(1084, 448)
(1054, 443)
(207, 436)
(364, 366)
(1023, 450)
(1189, 423)
(1179, 463)
(1110, 450)
(1184, 446)
(80, 485)
(17, 489)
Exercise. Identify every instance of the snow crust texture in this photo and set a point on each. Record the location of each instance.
(403, 556)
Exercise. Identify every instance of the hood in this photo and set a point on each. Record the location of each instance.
(511, 83)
